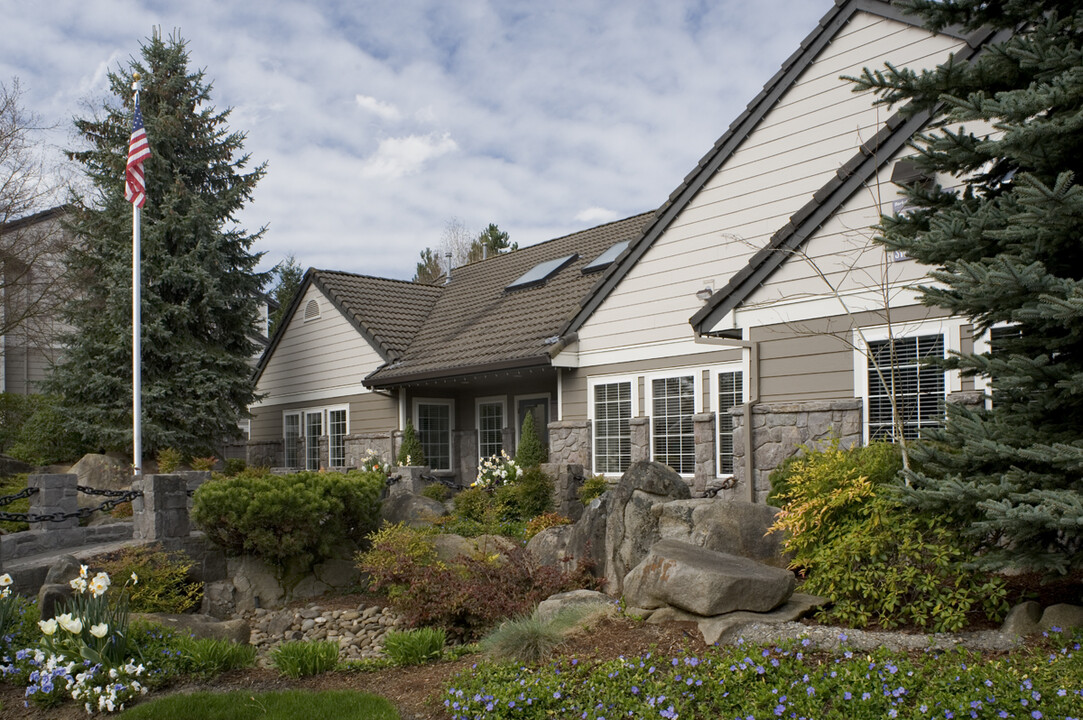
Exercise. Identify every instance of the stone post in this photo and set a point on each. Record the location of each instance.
(641, 438)
(409, 481)
(56, 493)
(706, 457)
(162, 512)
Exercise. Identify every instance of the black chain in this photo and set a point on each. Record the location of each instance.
(444, 481)
(117, 497)
(25, 493)
(103, 493)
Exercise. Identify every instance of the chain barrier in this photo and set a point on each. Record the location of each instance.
(116, 497)
(25, 493)
(443, 481)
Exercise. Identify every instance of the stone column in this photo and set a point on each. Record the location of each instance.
(162, 512)
(641, 438)
(56, 493)
(706, 457)
(409, 481)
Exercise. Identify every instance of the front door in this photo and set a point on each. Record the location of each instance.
(538, 406)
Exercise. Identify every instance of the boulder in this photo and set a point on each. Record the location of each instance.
(705, 582)
(1063, 616)
(200, 626)
(730, 526)
(101, 472)
(724, 628)
(63, 570)
(51, 597)
(586, 541)
(631, 526)
(413, 510)
(450, 546)
(550, 545)
(11, 466)
(219, 599)
(254, 583)
(587, 599)
(1022, 620)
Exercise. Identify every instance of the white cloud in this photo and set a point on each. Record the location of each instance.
(379, 108)
(401, 156)
(596, 215)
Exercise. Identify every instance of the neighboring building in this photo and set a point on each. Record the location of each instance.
(749, 300)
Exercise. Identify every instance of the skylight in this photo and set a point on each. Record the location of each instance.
(541, 272)
(605, 259)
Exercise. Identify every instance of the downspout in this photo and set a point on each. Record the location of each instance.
(753, 348)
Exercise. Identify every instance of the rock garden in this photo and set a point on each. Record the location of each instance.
(833, 601)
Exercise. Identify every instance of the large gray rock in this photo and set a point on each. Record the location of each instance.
(413, 510)
(101, 472)
(1063, 616)
(631, 525)
(705, 582)
(550, 545)
(730, 526)
(586, 541)
(1022, 620)
(200, 626)
(588, 600)
(63, 570)
(450, 546)
(11, 466)
(725, 628)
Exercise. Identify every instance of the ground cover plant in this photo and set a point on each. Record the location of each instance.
(305, 657)
(786, 681)
(286, 705)
(164, 585)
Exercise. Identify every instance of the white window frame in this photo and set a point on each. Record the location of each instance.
(299, 414)
(418, 402)
(697, 398)
(741, 366)
(304, 434)
(592, 382)
(500, 400)
(345, 409)
(949, 327)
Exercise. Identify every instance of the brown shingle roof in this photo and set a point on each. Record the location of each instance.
(476, 325)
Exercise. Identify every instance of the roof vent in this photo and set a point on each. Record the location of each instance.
(312, 310)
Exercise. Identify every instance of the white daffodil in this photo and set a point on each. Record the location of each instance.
(99, 630)
(78, 585)
(47, 626)
(72, 624)
(5, 580)
(6, 592)
(83, 569)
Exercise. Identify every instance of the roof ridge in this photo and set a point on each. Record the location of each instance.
(375, 277)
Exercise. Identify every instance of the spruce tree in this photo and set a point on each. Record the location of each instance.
(199, 284)
(1002, 228)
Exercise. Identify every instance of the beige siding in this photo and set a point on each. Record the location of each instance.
(815, 127)
(368, 413)
(317, 357)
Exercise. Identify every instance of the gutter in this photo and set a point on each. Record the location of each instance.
(753, 348)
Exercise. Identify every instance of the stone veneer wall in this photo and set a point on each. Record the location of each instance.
(264, 453)
(359, 444)
(777, 432)
(569, 443)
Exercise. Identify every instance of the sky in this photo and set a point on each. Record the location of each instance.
(381, 122)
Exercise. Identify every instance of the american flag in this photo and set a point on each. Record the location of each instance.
(135, 190)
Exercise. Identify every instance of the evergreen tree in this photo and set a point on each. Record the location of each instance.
(530, 452)
(1002, 230)
(288, 275)
(199, 284)
(410, 452)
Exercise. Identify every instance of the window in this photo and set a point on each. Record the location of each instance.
(898, 367)
(673, 401)
(606, 258)
(490, 427)
(434, 432)
(541, 272)
(291, 433)
(612, 432)
(730, 395)
(336, 436)
(313, 431)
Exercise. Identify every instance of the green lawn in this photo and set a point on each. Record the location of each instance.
(286, 705)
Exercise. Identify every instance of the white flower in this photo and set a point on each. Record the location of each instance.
(135, 579)
(6, 592)
(83, 571)
(47, 626)
(78, 585)
(99, 630)
(5, 580)
(72, 625)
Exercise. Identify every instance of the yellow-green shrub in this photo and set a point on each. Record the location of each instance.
(876, 560)
(163, 583)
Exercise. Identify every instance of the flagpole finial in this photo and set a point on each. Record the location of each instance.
(136, 77)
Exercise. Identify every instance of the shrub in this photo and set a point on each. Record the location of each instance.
(543, 522)
(464, 597)
(9, 486)
(410, 452)
(592, 487)
(304, 658)
(529, 640)
(473, 504)
(46, 437)
(876, 560)
(208, 657)
(414, 647)
(204, 464)
(15, 410)
(531, 495)
(163, 585)
(234, 466)
(530, 452)
(297, 519)
(169, 460)
(436, 491)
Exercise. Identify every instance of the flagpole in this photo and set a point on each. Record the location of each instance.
(137, 322)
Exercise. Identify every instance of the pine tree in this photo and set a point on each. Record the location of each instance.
(288, 275)
(1002, 229)
(530, 452)
(199, 284)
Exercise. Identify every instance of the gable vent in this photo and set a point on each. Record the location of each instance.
(312, 310)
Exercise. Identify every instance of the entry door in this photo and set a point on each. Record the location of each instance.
(539, 408)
